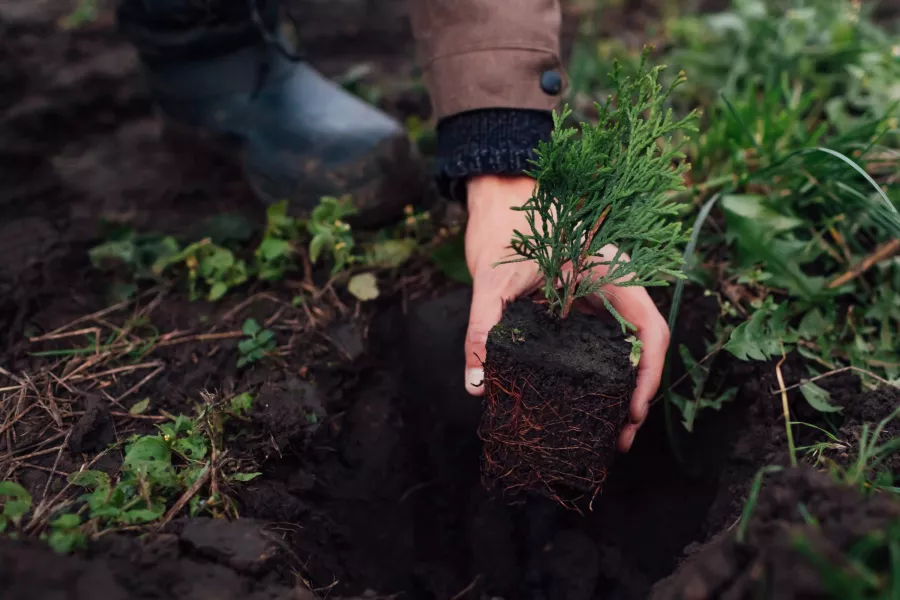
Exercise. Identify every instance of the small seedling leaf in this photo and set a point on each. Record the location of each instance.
(364, 286)
(67, 521)
(818, 398)
(139, 407)
(16, 500)
(250, 327)
(273, 248)
(242, 403)
(636, 347)
(243, 477)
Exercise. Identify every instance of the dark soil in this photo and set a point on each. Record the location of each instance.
(207, 559)
(556, 397)
(783, 555)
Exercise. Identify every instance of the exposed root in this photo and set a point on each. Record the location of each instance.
(557, 447)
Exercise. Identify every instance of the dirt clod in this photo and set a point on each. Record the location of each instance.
(243, 544)
(95, 430)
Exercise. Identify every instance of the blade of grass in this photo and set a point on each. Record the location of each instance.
(752, 499)
(702, 216)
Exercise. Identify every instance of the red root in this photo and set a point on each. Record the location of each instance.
(559, 447)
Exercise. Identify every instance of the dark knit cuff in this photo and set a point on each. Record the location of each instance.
(494, 141)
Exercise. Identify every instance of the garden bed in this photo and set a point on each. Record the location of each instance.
(365, 442)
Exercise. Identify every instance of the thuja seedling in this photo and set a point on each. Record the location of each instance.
(558, 383)
(609, 186)
(257, 344)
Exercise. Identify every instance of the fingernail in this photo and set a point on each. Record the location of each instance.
(474, 379)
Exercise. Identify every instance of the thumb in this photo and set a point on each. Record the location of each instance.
(486, 310)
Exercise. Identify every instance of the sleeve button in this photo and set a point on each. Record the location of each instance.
(551, 82)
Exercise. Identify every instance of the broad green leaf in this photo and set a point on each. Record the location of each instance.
(754, 339)
(755, 208)
(150, 456)
(263, 338)
(15, 499)
(243, 477)
(812, 325)
(91, 480)
(193, 447)
(273, 248)
(217, 291)
(67, 521)
(139, 516)
(818, 398)
(636, 348)
(139, 407)
(364, 287)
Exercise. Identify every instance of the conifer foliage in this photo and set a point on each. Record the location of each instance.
(612, 184)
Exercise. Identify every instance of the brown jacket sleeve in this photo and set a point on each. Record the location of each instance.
(480, 54)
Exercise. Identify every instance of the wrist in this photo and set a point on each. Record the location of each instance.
(490, 191)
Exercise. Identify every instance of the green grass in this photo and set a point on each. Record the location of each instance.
(794, 174)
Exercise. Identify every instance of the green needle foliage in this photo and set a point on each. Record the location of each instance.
(611, 184)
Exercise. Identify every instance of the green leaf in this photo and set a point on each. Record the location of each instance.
(363, 287)
(759, 338)
(263, 338)
(755, 208)
(273, 248)
(390, 254)
(316, 245)
(66, 534)
(242, 403)
(16, 501)
(812, 325)
(150, 456)
(450, 258)
(90, 479)
(818, 398)
(193, 447)
(140, 516)
(251, 327)
(243, 477)
(139, 407)
(217, 291)
(67, 521)
(636, 347)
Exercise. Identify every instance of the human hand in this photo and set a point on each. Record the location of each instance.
(488, 234)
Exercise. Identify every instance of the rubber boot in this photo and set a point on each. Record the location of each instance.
(220, 73)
